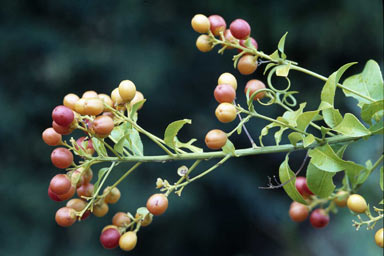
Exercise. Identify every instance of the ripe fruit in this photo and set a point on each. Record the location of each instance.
(67, 195)
(302, 187)
(53, 196)
(341, 198)
(61, 158)
(108, 227)
(88, 174)
(89, 95)
(100, 210)
(203, 43)
(102, 126)
(298, 212)
(121, 219)
(217, 24)
(85, 190)
(224, 93)
(93, 106)
(200, 23)
(240, 29)
(109, 238)
(89, 148)
(65, 216)
(228, 78)
(253, 86)
(229, 38)
(253, 43)
(379, 238)
(215, 139)
(113, 196)
(106, 99)
(80, 106)
(128, 241)
(70, 100)
(357, 203)
(116, 98)
(127, 90)
(247, 65)
(157, 204)
(51, 137)
(61, 129)
(63, 115)
(319, 218)
(60, 184)
(225, 112)
(138, 97)
(77, 204)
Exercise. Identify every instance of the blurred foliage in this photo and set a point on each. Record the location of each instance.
(51, 48)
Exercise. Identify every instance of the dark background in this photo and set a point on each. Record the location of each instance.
(51, 48)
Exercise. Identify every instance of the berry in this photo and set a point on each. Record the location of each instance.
(341, 198)
(203, 43)
(319, 218)
(121, 219)
(379, 238)
(109, 238)
(228, 78)
(65, 216)
(215, 139)
(70, 100)
(298, 212)
(61, 129)
(138, 97)
(60, 184)
(225, 112)
(51, 137)
(63, 115)
(61, 158)
(102, 126)
(224, 93)
(302, 187)
(147, 219)
(113, 196)
(200, 23)
(100, 210)
(116, 98)
(157, 204)
(247, 65)
(89, 148)
(240, 29)
(128, 241)
(80, 106)
(357, 203)
(67, 195)
(53, 196)
(127, 90)
(229, 38)
(253, 43)
(217, 24)
(88, 175)
(85, 190)
(253, 86)
(77, 204)
(108, 227)
(106, 99)
(77, 178)
(93, 106)
(89, 95)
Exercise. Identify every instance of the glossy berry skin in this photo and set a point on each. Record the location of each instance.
(228, 78)
(51, 137)
(60, 184)
(240, 29)
(224, 93)
(53, 196)
(341, 198)
(109, 238)
(157, 204)
(127, 90)
(229, 38)
(298, 212)
(217, 23)
(68, 195)
(63, 115)
(138, 97)
(61, 129)
(88, 175)
(253, 43)
(102, 126)
(319, 218)
(89, 95)
(113, 196)
(203, 43)
(215, 139)
(128, 241)
(108, 227)
(379, 238)
(253, 86)
(302, 187)
(93, 106)
(70, 100)
(100, 210)
(61, 158)
(85, 190)
(200, 23)
(106, 99)
(121, 219)
(116, 98)
(225, 112)
(357, 203)
(247, 65)
(65, 217)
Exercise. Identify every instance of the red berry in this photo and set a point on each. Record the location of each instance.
(217, 24)
(157, 204)
(63, 115)
(109, 238)
(61, 158)
(60, 184)
(65, 216)
(85, 190)
(298, 212)
(61, 129)
(229, 38)
(53, 196)
(51, 137)
(319, 218)
(240, 29)
(302, 187)
(102, 126)
(253, 86)
(253, 42)
(68, 195)
(247, 64)
(224, 93)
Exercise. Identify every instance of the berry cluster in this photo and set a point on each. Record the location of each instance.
(238, 34)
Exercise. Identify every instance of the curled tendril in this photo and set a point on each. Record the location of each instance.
(269, 94)
(269, 78)
(289, 96)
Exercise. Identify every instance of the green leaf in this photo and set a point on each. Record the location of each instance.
(229, 148)
(324, 131)
(143, 211)
(100, 176)
(308, 140)
(127, 137)
(283, 70)
(188, 145)
(99, 147)
(320, 182)
(373, 110)
(304, 119)
(329, 89)
(172, 130)
(332, 117)
(269, 65)
(295, 137)
(135, 145)
(351, 126)
(381, 178)
(368, 83)
(292, 116)
(119, 146)
(377, 128)
(136, 106)
(382, 201)
(285, 175)
(281, 44)
(274, 55)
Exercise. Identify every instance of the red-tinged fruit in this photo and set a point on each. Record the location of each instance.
(247, 65)
(121, 219)
(225, 112)
(298, 212)
(240, 29)
(61, 129)
(109, 238)
(157, 204)
(63, 115)
(203, 43)
(61, 158)
(319, 218)
(60, 184)
(85, 190)
(253, 86)
(102, 126)
(215, 139)
(253, 43)
(89, 148)
(65, 217)
(53, 196)
(217, 23)
(200, 23)
(113, 196)
(224, 93)
(302, 187)
(51, 137)
(68, 195)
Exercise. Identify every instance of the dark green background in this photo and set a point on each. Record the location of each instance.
(51, 48)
